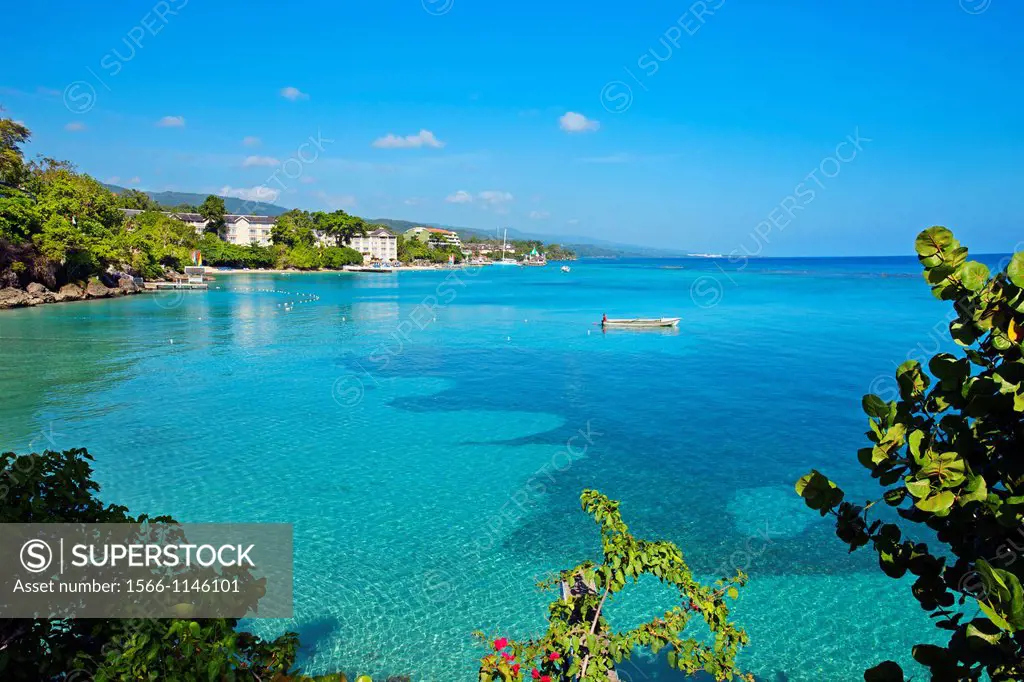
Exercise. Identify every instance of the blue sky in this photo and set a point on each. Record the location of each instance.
(716, 126)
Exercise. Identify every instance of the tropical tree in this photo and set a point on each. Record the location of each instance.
(19, 217)
(79, 218)
(339, 225)
(336, 257)
(581, 645)
(133, 198)
(169, 240)
(294, 228)
(12, 136)
(213, 211)
(948, 454)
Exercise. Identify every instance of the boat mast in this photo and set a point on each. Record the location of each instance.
(504, 238)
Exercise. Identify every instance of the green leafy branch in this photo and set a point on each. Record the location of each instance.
(581, 644)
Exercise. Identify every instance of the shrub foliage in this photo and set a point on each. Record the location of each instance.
(948, 454)
(581, 644)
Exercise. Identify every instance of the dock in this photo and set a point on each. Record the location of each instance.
(162, 286)
(367, 268)
(195, 278)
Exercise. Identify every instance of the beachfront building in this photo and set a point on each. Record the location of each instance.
(248, 229)
(420, 233)
(194, 220)
(376, 245)
(441, 237)
(479, 248)
(434, 236)
(238, 229)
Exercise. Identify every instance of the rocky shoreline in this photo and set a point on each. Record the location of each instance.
(37, 294)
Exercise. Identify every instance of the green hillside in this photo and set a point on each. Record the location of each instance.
(232, 204)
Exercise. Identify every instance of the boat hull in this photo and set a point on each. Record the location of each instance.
(641, 323)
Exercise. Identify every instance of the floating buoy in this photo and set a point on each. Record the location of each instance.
(172, 341)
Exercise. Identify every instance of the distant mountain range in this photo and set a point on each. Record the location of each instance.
(232, 204)
(585, 247)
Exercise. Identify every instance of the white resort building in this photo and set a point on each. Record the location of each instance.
(194, 219)
(379, 244)
(434, 236)
(248, 229)
(242, 230)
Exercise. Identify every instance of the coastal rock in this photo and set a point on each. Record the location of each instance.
(96, 289)
(127, 285)
(44, 272)
(14, 298)
(110, 279)
(70, 292)
(40, 293)
(173, 275)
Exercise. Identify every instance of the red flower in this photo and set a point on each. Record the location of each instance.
(515, 669)
(545, 678)
(507, 656)
(500, 643)
(554, 656)
(535, 674)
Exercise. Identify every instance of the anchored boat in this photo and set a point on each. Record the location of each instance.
(640, 322)
(504, 260)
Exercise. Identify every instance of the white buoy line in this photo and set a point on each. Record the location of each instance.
(288, 306)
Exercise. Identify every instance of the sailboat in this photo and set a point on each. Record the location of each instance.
(504, 260)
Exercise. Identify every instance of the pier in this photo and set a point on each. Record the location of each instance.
(159, 286)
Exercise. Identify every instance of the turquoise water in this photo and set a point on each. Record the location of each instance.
(429, 433)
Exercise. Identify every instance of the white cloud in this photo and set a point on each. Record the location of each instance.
(307, 179)
(573, 221)
(257, 193)
(113, 180)
(293, 93)
(620, 157)
(336, 201)
(495, 197)
(414, 201)
(251, 141)
(571, 122)
(135, 180)
(489, 199)
(75, 127)
(460, 197)
(251, 161)
(424, 138)
(495, 200)
(539, 215)
(171, 122)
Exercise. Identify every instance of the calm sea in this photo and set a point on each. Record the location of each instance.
(429, 433)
